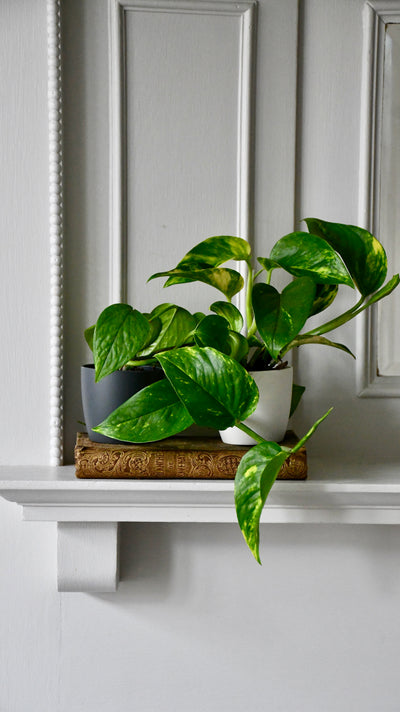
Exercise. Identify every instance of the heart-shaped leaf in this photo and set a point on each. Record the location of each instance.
(280, 317)
(305, 255)
(362, 253)
(154, 413)
(228, 281)
(216, 390)
(257, 472)
(119, 334)
(213, 331)
(230, 313)
(177, 326)
(214, 251)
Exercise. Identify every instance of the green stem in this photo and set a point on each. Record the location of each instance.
(310, 432)
(249, 308)
(250, 432)
(338, 321)
(142, 362)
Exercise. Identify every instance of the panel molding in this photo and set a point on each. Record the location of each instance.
(377, 14)
(247, 14)
(55, 132)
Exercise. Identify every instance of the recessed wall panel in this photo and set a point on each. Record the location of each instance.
(185, 136)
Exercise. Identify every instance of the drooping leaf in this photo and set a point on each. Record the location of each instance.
(213, 331)
(257, 472)
(89, 336)
(324, 296)
(280, 317)
(316, 339)
(362, 253)
(154, 413)
(297, 394)
(119, 334)
(230, 313)
(227, 281)
(214, 251)
(216, 390)
(305, 255)
(177, 325)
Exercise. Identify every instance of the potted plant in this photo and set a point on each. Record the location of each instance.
(209, 383)
(329, 255)
(124, 343)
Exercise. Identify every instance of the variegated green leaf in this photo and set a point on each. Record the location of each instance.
(305, 255)
(216, 390)
(230, 313)
(177, 325)
(119, 334)
(227, 281)
(324, 296)
(280, 317)
(154, 413)
(239, 346)
(362, 253)
(213, 331)
(268, 264)
(257, 472)
(214, 251)
(316, 339)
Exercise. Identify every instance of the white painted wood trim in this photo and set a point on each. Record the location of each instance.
(54, 92)
(247, 12)
(338, 491)
(245, 153)
(377, 14)
(88, 511)
(87, 557)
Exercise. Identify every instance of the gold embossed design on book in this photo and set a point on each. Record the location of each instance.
(174, 458)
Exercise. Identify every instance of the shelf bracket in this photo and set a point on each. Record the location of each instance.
(87, 556)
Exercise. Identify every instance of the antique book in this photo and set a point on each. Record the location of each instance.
(174, 458)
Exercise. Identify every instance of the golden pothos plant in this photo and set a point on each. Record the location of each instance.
(206, 358)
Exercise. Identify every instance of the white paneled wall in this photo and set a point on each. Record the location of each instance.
(196, 624)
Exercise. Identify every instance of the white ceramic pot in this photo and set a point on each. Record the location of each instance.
(271, 417)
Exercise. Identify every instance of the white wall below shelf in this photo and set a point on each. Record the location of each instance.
(88, 511)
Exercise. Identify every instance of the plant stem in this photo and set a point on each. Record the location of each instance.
(338, 321)
(142, 362)
(250, 432)
(249, 307)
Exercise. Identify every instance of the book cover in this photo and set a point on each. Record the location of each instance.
(174, 458)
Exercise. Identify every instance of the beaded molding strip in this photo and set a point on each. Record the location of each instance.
(54, 93)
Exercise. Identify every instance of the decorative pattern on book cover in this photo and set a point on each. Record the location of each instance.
(175, 458)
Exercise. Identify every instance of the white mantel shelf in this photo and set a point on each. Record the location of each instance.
(88, 511)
